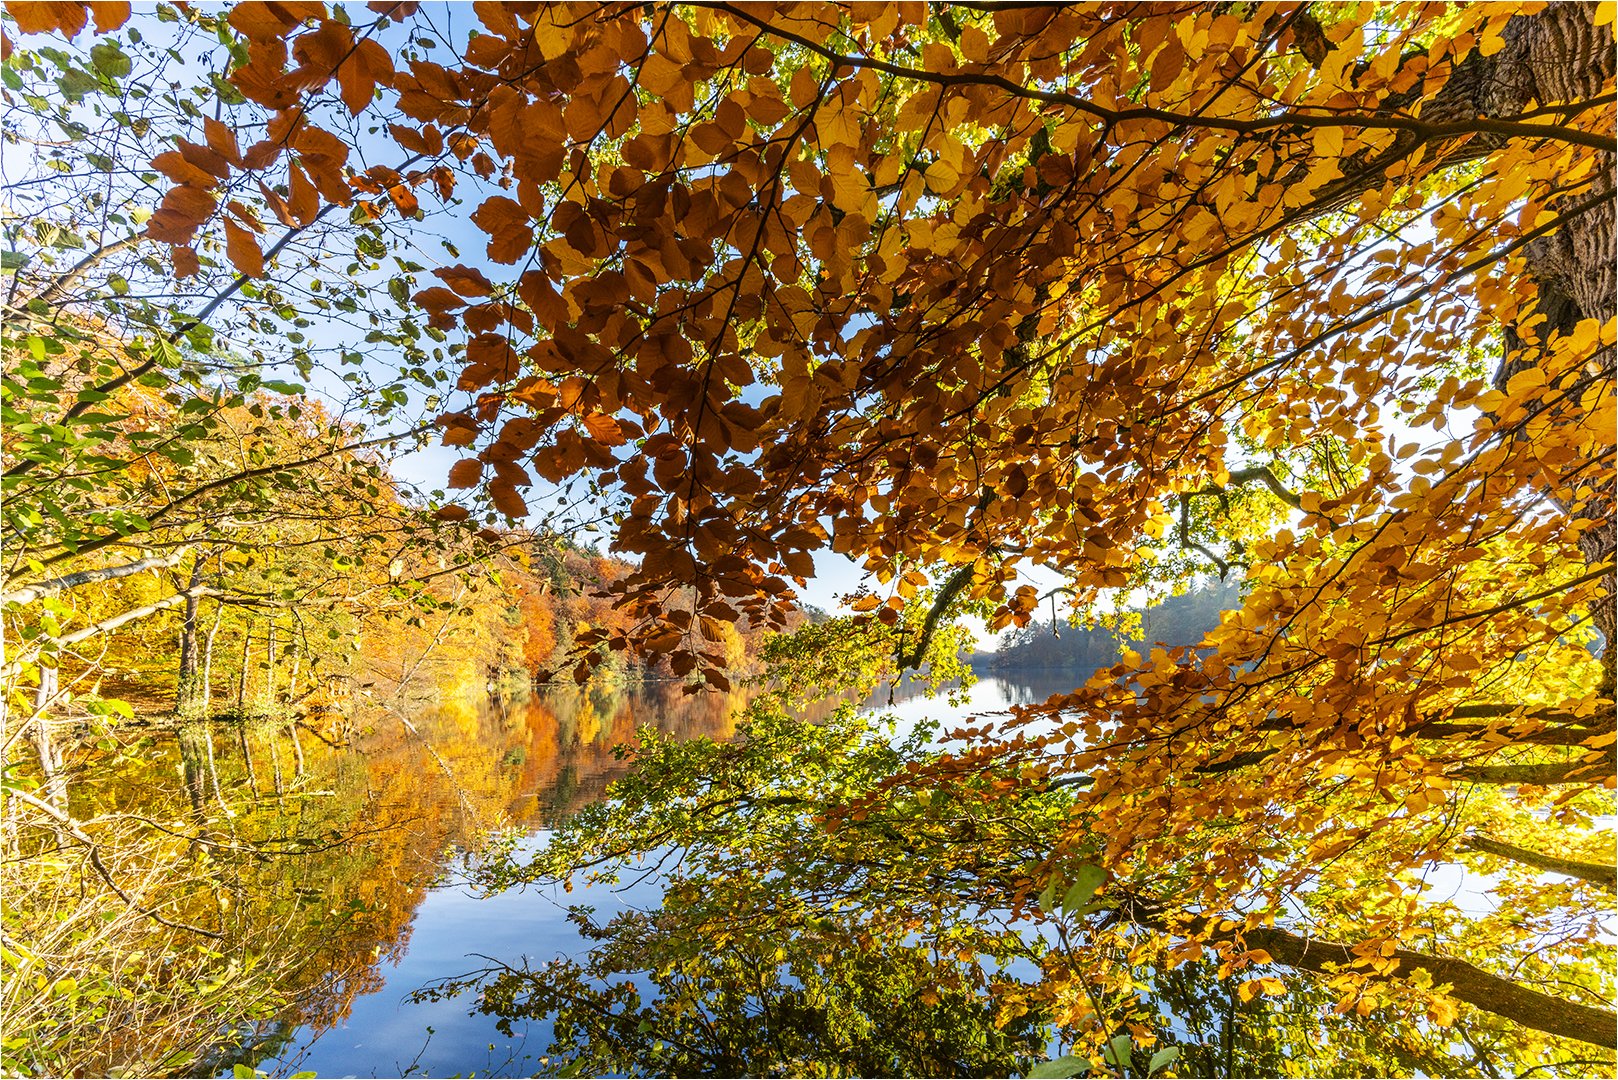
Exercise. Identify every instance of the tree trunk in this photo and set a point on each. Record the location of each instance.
(187, 694)
(241, 685)
(213, 771)
(207, 659)
(292, 677)
(275, 765)
(1558, 55)
(193, 763)
(247, 757)
(50, 762)
(269, 669)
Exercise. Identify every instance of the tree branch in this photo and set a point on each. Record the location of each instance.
(106, 626)
(247, 474)
(1538, 774)
(1597, 874)
(1423, 129)
(29, 593)
(1479, 988)
(1473, 985)
(56, 288)
(960, 579)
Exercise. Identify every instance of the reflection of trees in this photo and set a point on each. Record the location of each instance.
(1175, 620)
(312, 857)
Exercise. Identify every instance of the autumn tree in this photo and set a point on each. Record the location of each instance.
(1322, 292)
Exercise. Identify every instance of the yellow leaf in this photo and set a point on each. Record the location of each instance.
(975, 45)
(1328, 141)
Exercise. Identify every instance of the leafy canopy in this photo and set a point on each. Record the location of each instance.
(1129, 294)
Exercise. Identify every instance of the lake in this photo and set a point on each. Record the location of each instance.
(366, 901)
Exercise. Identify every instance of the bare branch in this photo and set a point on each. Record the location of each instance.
(29, 593)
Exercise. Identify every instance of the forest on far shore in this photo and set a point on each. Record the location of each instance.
(1079, 649)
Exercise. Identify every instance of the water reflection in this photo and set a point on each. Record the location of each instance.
(321, 843)
(317, 841)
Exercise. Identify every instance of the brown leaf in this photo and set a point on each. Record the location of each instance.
(183, 211)
(465, 473)
(184, 260)
(262, 154)
(304, 201)
(438, 299)
(506, 499)
(242, 247)
(204, 157)
(222, 140)
(278, 206)
(465, 280)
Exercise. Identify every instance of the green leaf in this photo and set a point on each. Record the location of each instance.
(1085, 883)
(110, 60)
(1062, 1067)
(1118, 1051)
(1164, 1057)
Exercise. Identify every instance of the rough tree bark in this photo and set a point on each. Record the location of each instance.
(1561, 55)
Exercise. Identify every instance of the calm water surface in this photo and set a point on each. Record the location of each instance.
(376, 909)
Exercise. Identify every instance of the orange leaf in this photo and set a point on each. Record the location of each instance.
(242, 247)
(506, 499)
(40, 17)
(184, 260)
(109, 14)
(465, 473)
(358, 88)
(222, 140)
(172, 164)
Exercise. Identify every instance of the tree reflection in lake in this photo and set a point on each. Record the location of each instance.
(784, 941)
(309, 852)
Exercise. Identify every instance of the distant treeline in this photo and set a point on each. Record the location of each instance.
(1178, 620)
